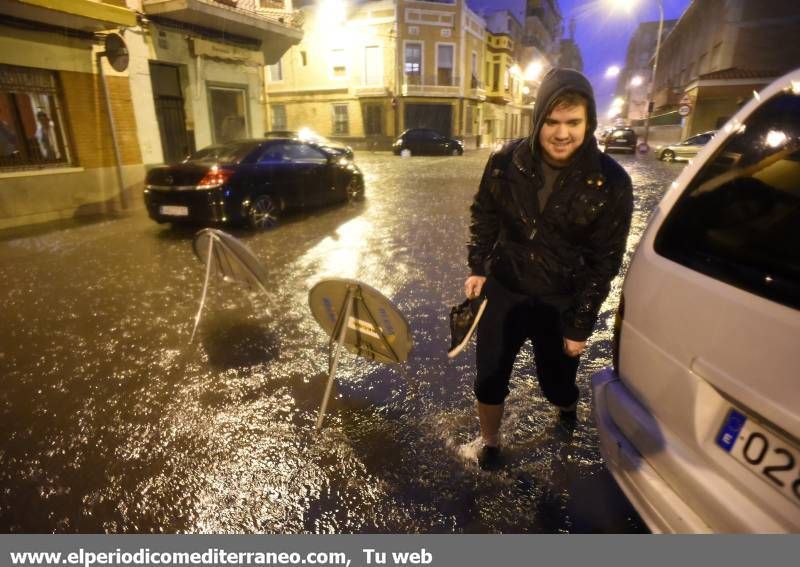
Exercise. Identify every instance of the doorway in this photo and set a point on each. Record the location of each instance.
(176, 143)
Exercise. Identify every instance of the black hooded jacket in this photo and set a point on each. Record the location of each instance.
(568, 253)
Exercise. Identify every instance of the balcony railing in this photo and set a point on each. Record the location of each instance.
(370, 90)
(431, 85)
(296, 19)
(253, 9)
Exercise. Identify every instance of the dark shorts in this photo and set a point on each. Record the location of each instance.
(510, 319)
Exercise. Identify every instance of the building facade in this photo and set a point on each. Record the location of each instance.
(719, 52)
(198, 70)
(366, 74)
(60, 157)
(569, 53)
(635, 80)
(543, 28)
(78, 128)
(504, 115)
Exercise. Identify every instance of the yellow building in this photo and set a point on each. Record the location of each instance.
(366, 71)
(59, 155)
(505, 113)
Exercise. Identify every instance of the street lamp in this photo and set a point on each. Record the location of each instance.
(626, 4)
(612, 71)
(533, 71)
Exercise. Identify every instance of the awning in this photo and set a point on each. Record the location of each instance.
(275, 32)
(84, 15)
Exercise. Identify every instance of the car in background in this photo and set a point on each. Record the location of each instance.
(307, 135)
(425, 141)
(619, 139)
(699, 418)
(601, 132)
(686, 149)
(250, 182)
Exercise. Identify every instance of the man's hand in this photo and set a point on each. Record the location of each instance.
(473, 286)
(573, 348)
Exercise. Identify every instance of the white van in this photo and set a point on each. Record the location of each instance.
(699, 420)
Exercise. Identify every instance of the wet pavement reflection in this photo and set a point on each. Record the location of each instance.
(114, 423)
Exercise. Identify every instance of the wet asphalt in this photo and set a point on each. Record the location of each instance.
(113, 422)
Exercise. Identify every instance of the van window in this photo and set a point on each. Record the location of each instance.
(739, 219)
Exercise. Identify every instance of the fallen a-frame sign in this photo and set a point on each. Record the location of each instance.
(228, 257)
(360, 319)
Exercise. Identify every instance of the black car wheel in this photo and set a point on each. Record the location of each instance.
(263, 213)
(668, 156)
(355, 190)
(456, 152)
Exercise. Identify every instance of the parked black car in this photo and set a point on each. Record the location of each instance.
(427, 141)
(250, 182)
(619, 139)
(306, 135)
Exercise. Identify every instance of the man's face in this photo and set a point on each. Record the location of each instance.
(562, 133)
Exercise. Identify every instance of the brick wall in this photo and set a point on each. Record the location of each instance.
(85, 113)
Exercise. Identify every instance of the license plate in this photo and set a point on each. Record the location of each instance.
(769, 455)
(173, 211)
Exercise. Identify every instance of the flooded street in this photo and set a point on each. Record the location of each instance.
(113, 422)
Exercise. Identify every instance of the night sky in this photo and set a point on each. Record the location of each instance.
(602, 32)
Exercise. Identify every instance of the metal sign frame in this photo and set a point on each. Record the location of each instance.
(348, 319)
(248, 264)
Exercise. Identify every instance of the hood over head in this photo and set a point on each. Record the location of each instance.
(555, 83)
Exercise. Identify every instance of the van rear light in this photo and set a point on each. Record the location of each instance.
(618, 318)
(215, 177)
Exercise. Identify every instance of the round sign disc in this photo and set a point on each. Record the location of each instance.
(117, 52)
(231, 259)
(375, 328)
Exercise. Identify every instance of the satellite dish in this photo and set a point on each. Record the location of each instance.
(117, 52)
(231, 260)
(360, 319)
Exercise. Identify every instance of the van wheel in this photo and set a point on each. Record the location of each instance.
(668, 156)
(264, 212)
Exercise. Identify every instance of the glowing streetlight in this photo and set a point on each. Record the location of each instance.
(612, 72)
(622, 4)
(637, 81)
(526, 90)
(533, 71)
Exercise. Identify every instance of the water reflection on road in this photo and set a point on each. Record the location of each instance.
(115, 423)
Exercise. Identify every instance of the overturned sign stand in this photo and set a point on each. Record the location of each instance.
(231, 260)
(360, 319)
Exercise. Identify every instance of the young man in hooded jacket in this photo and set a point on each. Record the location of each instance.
(547, 235)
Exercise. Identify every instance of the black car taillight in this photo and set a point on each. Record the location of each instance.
(618, 318)
(216, 177)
